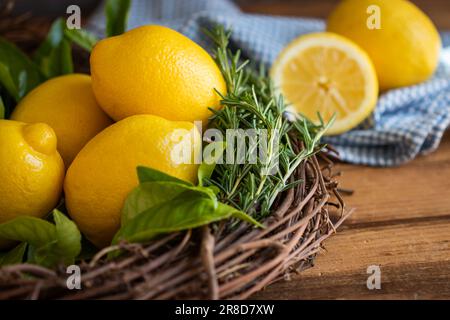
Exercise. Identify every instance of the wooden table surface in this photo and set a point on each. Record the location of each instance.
(402, 217)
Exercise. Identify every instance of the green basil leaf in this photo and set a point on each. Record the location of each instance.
(43, 255)
(150, 194)
(54, 56)
(22, 87)
(8, 82)
(13, 256)
(60, 60)
(147, 195)
(146, 174)
(2, 109)
(206, 169)
(116, 16)
(241, 215)
(68, 238)
(34, 231)
(13, 63)
(186, 211)
(49, 244)
(7, 103)
(83, 38)
(181, 213)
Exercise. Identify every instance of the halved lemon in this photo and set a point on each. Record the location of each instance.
(328, 74)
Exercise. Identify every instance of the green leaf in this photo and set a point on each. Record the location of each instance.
(34, 231)
(43, 255)
(61, 59)
(146, 174)
(54, 56)
(147, 195)
(206, 169)
(186, 211)
(49, 244)
(2, 109)
(22, 85)
(7, 103)
(242, 216)
(13, 256)
(150, 194)
(116, 16)
(68, 237)
(8, 82)
(181, 213)
(16, 70)
(83, 38)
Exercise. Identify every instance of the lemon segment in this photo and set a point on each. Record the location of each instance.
(326, 73)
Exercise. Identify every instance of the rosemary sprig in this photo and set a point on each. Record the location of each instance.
(251, 103)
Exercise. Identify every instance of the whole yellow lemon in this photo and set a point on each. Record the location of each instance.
(400, 39)
(155, 70)
(68, 105)
(104, 172)
(31, 170)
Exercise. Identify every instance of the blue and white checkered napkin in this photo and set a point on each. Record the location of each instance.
(406, 122)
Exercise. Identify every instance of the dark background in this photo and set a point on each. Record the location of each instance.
(438, 10)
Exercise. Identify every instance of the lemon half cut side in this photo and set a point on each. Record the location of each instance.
(328, 74)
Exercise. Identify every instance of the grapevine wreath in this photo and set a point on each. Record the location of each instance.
(288, 215)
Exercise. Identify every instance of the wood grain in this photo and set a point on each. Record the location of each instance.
(401, 223)
(414, 259)
(402, 217)
(419, 189)
(412, 281)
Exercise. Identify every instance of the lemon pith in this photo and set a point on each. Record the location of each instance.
(325, 73)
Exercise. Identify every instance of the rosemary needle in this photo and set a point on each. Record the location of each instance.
(251, 103)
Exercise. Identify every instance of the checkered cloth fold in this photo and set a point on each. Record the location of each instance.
(406, 122)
